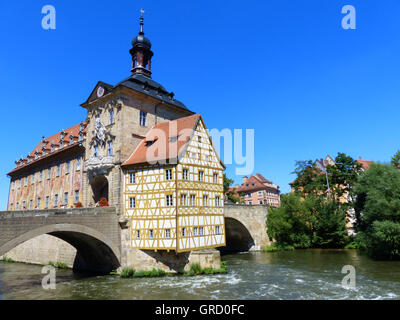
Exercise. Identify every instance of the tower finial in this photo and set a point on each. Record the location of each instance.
(141, 21)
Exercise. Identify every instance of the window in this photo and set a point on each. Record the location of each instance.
(137, 234)
(260, 202)
(183, 200)
(111, 116)
(78, 164)
(17, 206)
(30, 204)
(80, 136)
(23, 205)
(193, 200)
(58, 170)
(195, 231)
(259, 193)
(151, 234)
(61, 143)
(250, 203)
(41, 175)
(12, 185)
(33, 178)
(38, 203)
(168, 174)
(215, 178)
(132, 178)
(201, 176)
(49, 173)
(167, 233)
(76, 197)
(52, 147)
(205, 201)
(110, 148)
(46, 204)
(68, 166)
(201, 231)
(132, 202)
(169, 200)
(199, 137)
(19, 183)
(183, 232)
(194, 155)
(71, 139)
(143, 116)
(248, 195)
(185, 174)
(217, 230)
(25, 181)
(56, 200)
(66, 198)
(11, 207)
(96, 151)
(217, 201)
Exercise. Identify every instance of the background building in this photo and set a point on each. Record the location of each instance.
(258, 190)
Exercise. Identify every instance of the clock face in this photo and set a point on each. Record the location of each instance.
(100, 91)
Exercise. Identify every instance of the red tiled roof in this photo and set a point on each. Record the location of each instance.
(365, 163)
(54, 139)
(256, 182)
(166, 140)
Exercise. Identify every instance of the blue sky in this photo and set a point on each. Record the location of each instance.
(286, 69)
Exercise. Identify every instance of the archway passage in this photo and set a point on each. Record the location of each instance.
(99, 188)
(94, 252)
(238, 237)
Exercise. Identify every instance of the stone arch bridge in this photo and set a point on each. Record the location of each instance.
(94, 232)
(246, 227)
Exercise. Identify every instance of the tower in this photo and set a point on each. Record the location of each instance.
(141, 53)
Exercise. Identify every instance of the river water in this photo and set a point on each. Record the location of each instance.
(300, 274)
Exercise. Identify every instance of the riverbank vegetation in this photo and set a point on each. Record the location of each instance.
(194, 270)
(7, 259)
(377, 210)
(312, 217)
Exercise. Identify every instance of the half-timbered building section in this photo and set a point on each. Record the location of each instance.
(173, 189)
(51, 175)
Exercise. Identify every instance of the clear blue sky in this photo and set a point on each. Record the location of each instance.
(283, 68)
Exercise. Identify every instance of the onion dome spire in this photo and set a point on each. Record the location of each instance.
(141, 52)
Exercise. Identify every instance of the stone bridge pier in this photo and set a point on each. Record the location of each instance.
(246, 228)
(93, 232)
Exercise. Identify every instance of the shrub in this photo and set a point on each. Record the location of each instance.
(127, 273)
(151, 273)
(7, 259)
(383, 242)
(278, 247)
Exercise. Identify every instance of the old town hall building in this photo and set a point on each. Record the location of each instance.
(140, 149)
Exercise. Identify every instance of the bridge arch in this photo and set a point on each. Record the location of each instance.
(95, 252)
(238, 237)
(245, 227)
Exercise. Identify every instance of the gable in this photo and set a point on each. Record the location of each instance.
(99, 91)
(200, 150)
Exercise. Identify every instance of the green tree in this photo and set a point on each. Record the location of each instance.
(396, 159)
(230, 194)
(330, 225)
(377, 209)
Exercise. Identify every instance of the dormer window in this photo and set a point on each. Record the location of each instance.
(82, 127)
(80, 136)
(71, 139)
(52, 147)
(61, 143)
